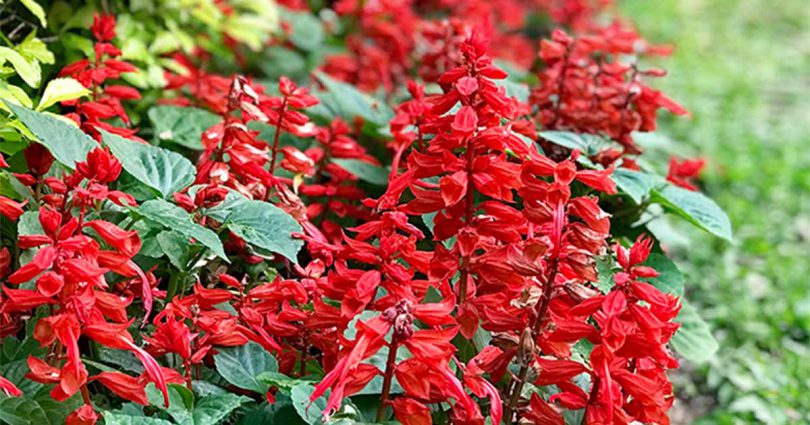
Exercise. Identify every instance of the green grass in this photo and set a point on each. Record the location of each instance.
(743, 69)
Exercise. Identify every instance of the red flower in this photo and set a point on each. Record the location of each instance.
(84, 415)
(682, 173)
(8, 388)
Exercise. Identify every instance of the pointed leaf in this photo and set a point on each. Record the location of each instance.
(161, 169)
(309, 412)
(181, 125)
(241, 366)
(694, 339)
(67, 143)
(696, 208)
(177, 219)
(113, 418)
(59, 90)
(267, 227)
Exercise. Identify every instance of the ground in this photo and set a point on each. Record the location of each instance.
(743, 69)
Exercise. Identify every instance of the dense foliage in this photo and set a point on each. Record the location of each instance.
(249, 212)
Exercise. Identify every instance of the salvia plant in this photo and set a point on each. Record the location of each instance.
(338, 212)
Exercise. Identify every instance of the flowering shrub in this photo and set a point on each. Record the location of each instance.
(413, 224)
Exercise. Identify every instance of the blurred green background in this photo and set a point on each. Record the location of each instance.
(743, 69)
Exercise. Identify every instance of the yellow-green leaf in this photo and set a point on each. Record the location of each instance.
(36, 10)
(28, 71)
(59, 90)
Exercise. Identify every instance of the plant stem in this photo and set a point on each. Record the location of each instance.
(277, 135)
(468, 216)
(85, 394)
(387, 378)
(542, 311)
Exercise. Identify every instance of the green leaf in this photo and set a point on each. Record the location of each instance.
(587, 144)
(670, 279)
(21, 411)
(112, 418)
(307, 30)
(266, 226)
(59, 90)
(172, 217)
(14, 94)
(311, 413)
(185, 411)
(364, 171)
(636, 184)
(175, 246)
(694, 340)
(241, 366)
(181, 401)
(35, 10)
(36, 407)
(345, 101)
(181, 125)
(233, 200)
(35, 49)
(214, 409)
(67, 143)
(696, 208)
(165, 171)
(28, 70)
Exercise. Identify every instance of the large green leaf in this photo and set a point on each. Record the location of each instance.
(113, 418)
(36, 407)
(174, 218)
(181, 125)
(309, 412)
(164, 171)
(67, 143)
(694, 340)
(696, 208)
(233, 201)
(364, 171)
(345, 101)
(21, 411)
(241, 366)
(267, 227)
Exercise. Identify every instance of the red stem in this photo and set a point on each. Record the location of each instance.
(387, 378)
(468, 216)
(278, 134)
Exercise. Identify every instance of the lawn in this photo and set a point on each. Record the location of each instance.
(743, 69)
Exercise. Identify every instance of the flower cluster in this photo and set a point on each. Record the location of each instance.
(70, 272)
(586, 87)
(462, 289)
(94, 73)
